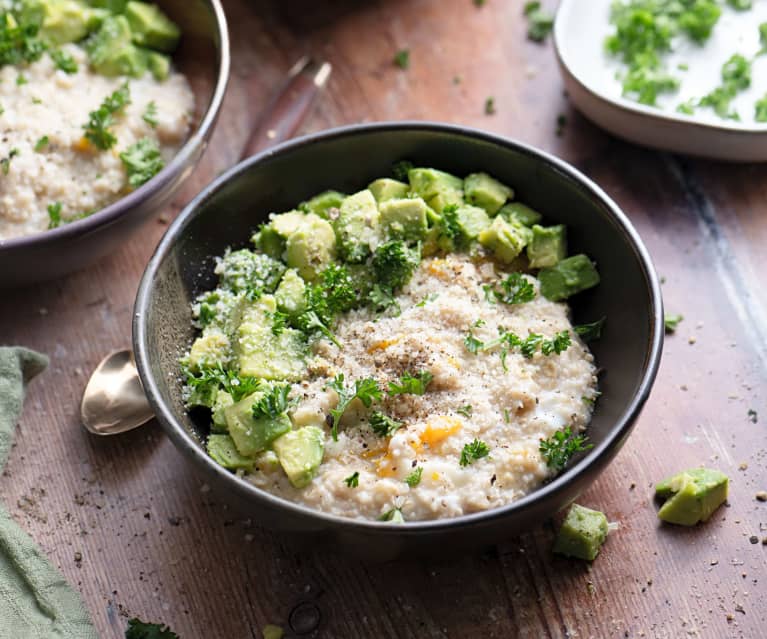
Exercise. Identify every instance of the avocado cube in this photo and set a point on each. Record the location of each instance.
(505, 239)
(151, 27)
(487, 192)
(357, 227)
(113, 6)
(520, 212)
(109, 42)
(311, 247)
(249, 272)
(285, 224)
(129, 60)
(548, 246)
(158, 64)
(291, 294)
(321, 203)
(582, 533)
(692, 496)
(428, 183)
(300, 454)
(404, 218)
(387, 189)
(471, 221)
(222, 450)
(263, 354)
(223, 401)
(569, 276)
(445, 198)
(60, 21)
(208, 350)
(252, 435)
(271, 238)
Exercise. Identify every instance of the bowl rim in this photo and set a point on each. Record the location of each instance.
(108, 214)
(594, 459)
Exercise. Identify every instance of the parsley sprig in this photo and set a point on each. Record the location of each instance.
(353, 480)
(366, 390)
(273, 403)
(97, 130)
(203, 385)
(507, 341)
(515, 289)
(409, 384)
(382, 424)
(540, 22)
(561, 446)
(414, 478)
(19, 43)
(142, 161)
(473, 451)
(138, 629)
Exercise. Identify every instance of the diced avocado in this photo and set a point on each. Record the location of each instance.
(60, 21)
(470, 221)
(446, 198)
(404, 218)
(569, 276)
(223, 451)
(249, 272)
(312, 247)
(252, 435)
(485, 191)
(158, 64)
(129, 60)
(263, 354)
(430, 182)
(505, 239)
(151, 27)
(114, 6)
(223, 401)
(548, 246)
(520, 212)
(692, 496)
(387, 189)
(300, 454)
(209, 349)
(320, 204)
(111, 52)
(357, 227)
(285, 224)
(582, 533)
(221, 309)
(291, 293)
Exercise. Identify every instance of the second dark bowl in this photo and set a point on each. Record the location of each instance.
(348, 159)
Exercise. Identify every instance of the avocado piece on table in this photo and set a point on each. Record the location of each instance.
(251, 435)
(60, 21)
(571, 275)
(404, 218)
(582, 533)
(321, 203)
(223, 451)
(291, 293)
(158, 65)
(151, 27)
(300, 453)
(692, 496)
(428, 183)
(505, 238)
(312, 247)
(223, 401)
(483, 190)
(357, 227)
(263, 354)
(520, 212)
(548, 246)
(387, 189)
(208, 350)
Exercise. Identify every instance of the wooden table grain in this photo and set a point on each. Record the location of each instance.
(138, 535)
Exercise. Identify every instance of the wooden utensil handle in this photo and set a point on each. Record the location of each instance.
(289, 107)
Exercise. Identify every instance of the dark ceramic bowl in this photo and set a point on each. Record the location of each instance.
(348, 159)
(204, 58)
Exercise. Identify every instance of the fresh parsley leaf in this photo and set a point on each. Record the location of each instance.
(97, 130)
(558, 345)
(273, 403)
(473, 345)
(394, 515)
(382, 299)
(410, 384)
(394, 263)
(670, 322)
(401, 169)
(150, 114)
(560, 447)
(529, 345)
(449, 222)
(490, 105)
(138, 629)
(19, 41)
(63, 61)
(473, 451)
(203, 385)
(353, 480)
(590, 332)
(5, 163)
(142, 161)
(41, 143)
(414, 478)
(382, 424)
(466, 411)
(429, 298)
(54, 214)
(279, 322)
(21, 80)
(539, 22)
(515, 289)
(402, 59)
(366, 390)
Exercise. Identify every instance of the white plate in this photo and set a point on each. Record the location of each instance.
(590, 77)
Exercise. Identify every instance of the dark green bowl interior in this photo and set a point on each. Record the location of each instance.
(347, 160)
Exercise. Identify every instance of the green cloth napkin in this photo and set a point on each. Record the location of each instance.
(35, 600)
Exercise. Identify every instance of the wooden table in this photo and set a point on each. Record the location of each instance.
(128, 525)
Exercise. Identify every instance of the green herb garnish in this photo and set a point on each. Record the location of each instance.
(473, 451)
(273, 403)
(740, 5)
(63, 61)
(41, 143)
(402, 58)
(414, 478)
(383, 425)
(394, 515)
(670, 322)
(539, 22)
(150, 114)
(490, 105)
(353, 480)
(203, 385)
(515, 289)
(590, 332)
(561, 446)
(142, 161)
(19, 43)
(401, 169)
(366, 390)
(760, 110)
(736, 77)
(140, 630)
(97, 131)
(410, 384)
(5, 163)
(54, 215)
(21, 80)
(466, 411)
(394, 264)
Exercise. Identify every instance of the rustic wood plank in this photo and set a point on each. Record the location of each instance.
(155, 544)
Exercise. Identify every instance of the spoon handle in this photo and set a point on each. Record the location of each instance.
(289, 107)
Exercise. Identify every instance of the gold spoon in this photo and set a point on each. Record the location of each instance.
(114, 400)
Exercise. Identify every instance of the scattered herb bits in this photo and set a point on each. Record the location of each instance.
(539, 21)
(561, 446)
(402, 59)
(473, 451)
